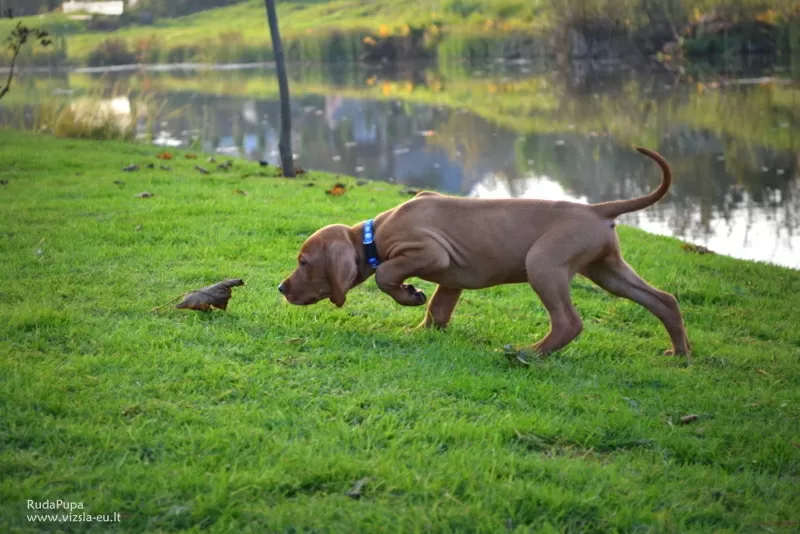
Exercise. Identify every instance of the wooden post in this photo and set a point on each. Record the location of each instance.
(285, 144)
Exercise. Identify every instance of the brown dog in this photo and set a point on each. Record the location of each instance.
(467, 243)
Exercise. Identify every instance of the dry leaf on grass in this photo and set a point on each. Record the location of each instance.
(686, 419)
(356, 492)
(164, 155)
(3, 182)
(337, 190)
(213, 296)
(190, 156)
(145, 194)
(240, 192)
(697, 249)
(201, 169)
(130, 168)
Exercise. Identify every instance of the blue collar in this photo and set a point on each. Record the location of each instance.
(370, 250)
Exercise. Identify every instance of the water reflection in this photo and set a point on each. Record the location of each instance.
(733, 139)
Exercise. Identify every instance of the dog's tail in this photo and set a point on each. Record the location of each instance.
(615, 208)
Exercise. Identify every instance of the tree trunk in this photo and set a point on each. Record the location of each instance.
(285, 144)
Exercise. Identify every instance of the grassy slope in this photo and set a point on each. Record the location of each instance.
(262, 418)
(300, 18)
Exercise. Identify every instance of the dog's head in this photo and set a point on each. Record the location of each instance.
(326, 268)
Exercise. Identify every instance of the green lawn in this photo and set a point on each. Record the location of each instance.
(262, 418)
(307, 25)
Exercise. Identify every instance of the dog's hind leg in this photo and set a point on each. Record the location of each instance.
(550, 279)
(614, 275)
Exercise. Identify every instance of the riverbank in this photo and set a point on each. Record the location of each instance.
(262, 418)
(387, 31)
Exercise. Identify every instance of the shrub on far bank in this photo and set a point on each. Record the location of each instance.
(111, 52)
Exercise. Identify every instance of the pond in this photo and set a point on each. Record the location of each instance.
(497, 129)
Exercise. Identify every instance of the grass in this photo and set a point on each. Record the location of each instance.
(261, 418)
(311, 29)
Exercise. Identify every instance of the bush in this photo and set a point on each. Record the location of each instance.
(111, 52)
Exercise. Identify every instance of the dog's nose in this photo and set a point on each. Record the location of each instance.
(282, 288)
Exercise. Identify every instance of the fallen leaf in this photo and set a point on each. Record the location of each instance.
(164, 155)
(514, 356)
(165, 168)
(224, 166)
(119, 182)
(310, 184)
(131, 411)
(697, 249)
(150, 166)
(145, 194)
(762, 372)
(201, 169)
(130, 168)
(3, 182)
(686, 419)
(212, 159)
(240, 192)
(138, 228)
(337, 190)
(356, 492)
(190, 156)
(299, 170)
(213, 296)
(362, 182)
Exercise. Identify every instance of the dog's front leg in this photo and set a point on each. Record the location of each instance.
(391, 274)
(441, 307)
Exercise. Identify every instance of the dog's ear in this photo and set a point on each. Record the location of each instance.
(342, 270)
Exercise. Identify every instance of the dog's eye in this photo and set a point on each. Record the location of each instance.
(303, 263)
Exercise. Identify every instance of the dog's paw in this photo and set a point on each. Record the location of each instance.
(417, 296)
(673, 352)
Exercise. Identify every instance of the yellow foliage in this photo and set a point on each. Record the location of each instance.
(768, 17)
(405, 30)
(383, 30)
(369, 41)
(386, 88)
(371, 80)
